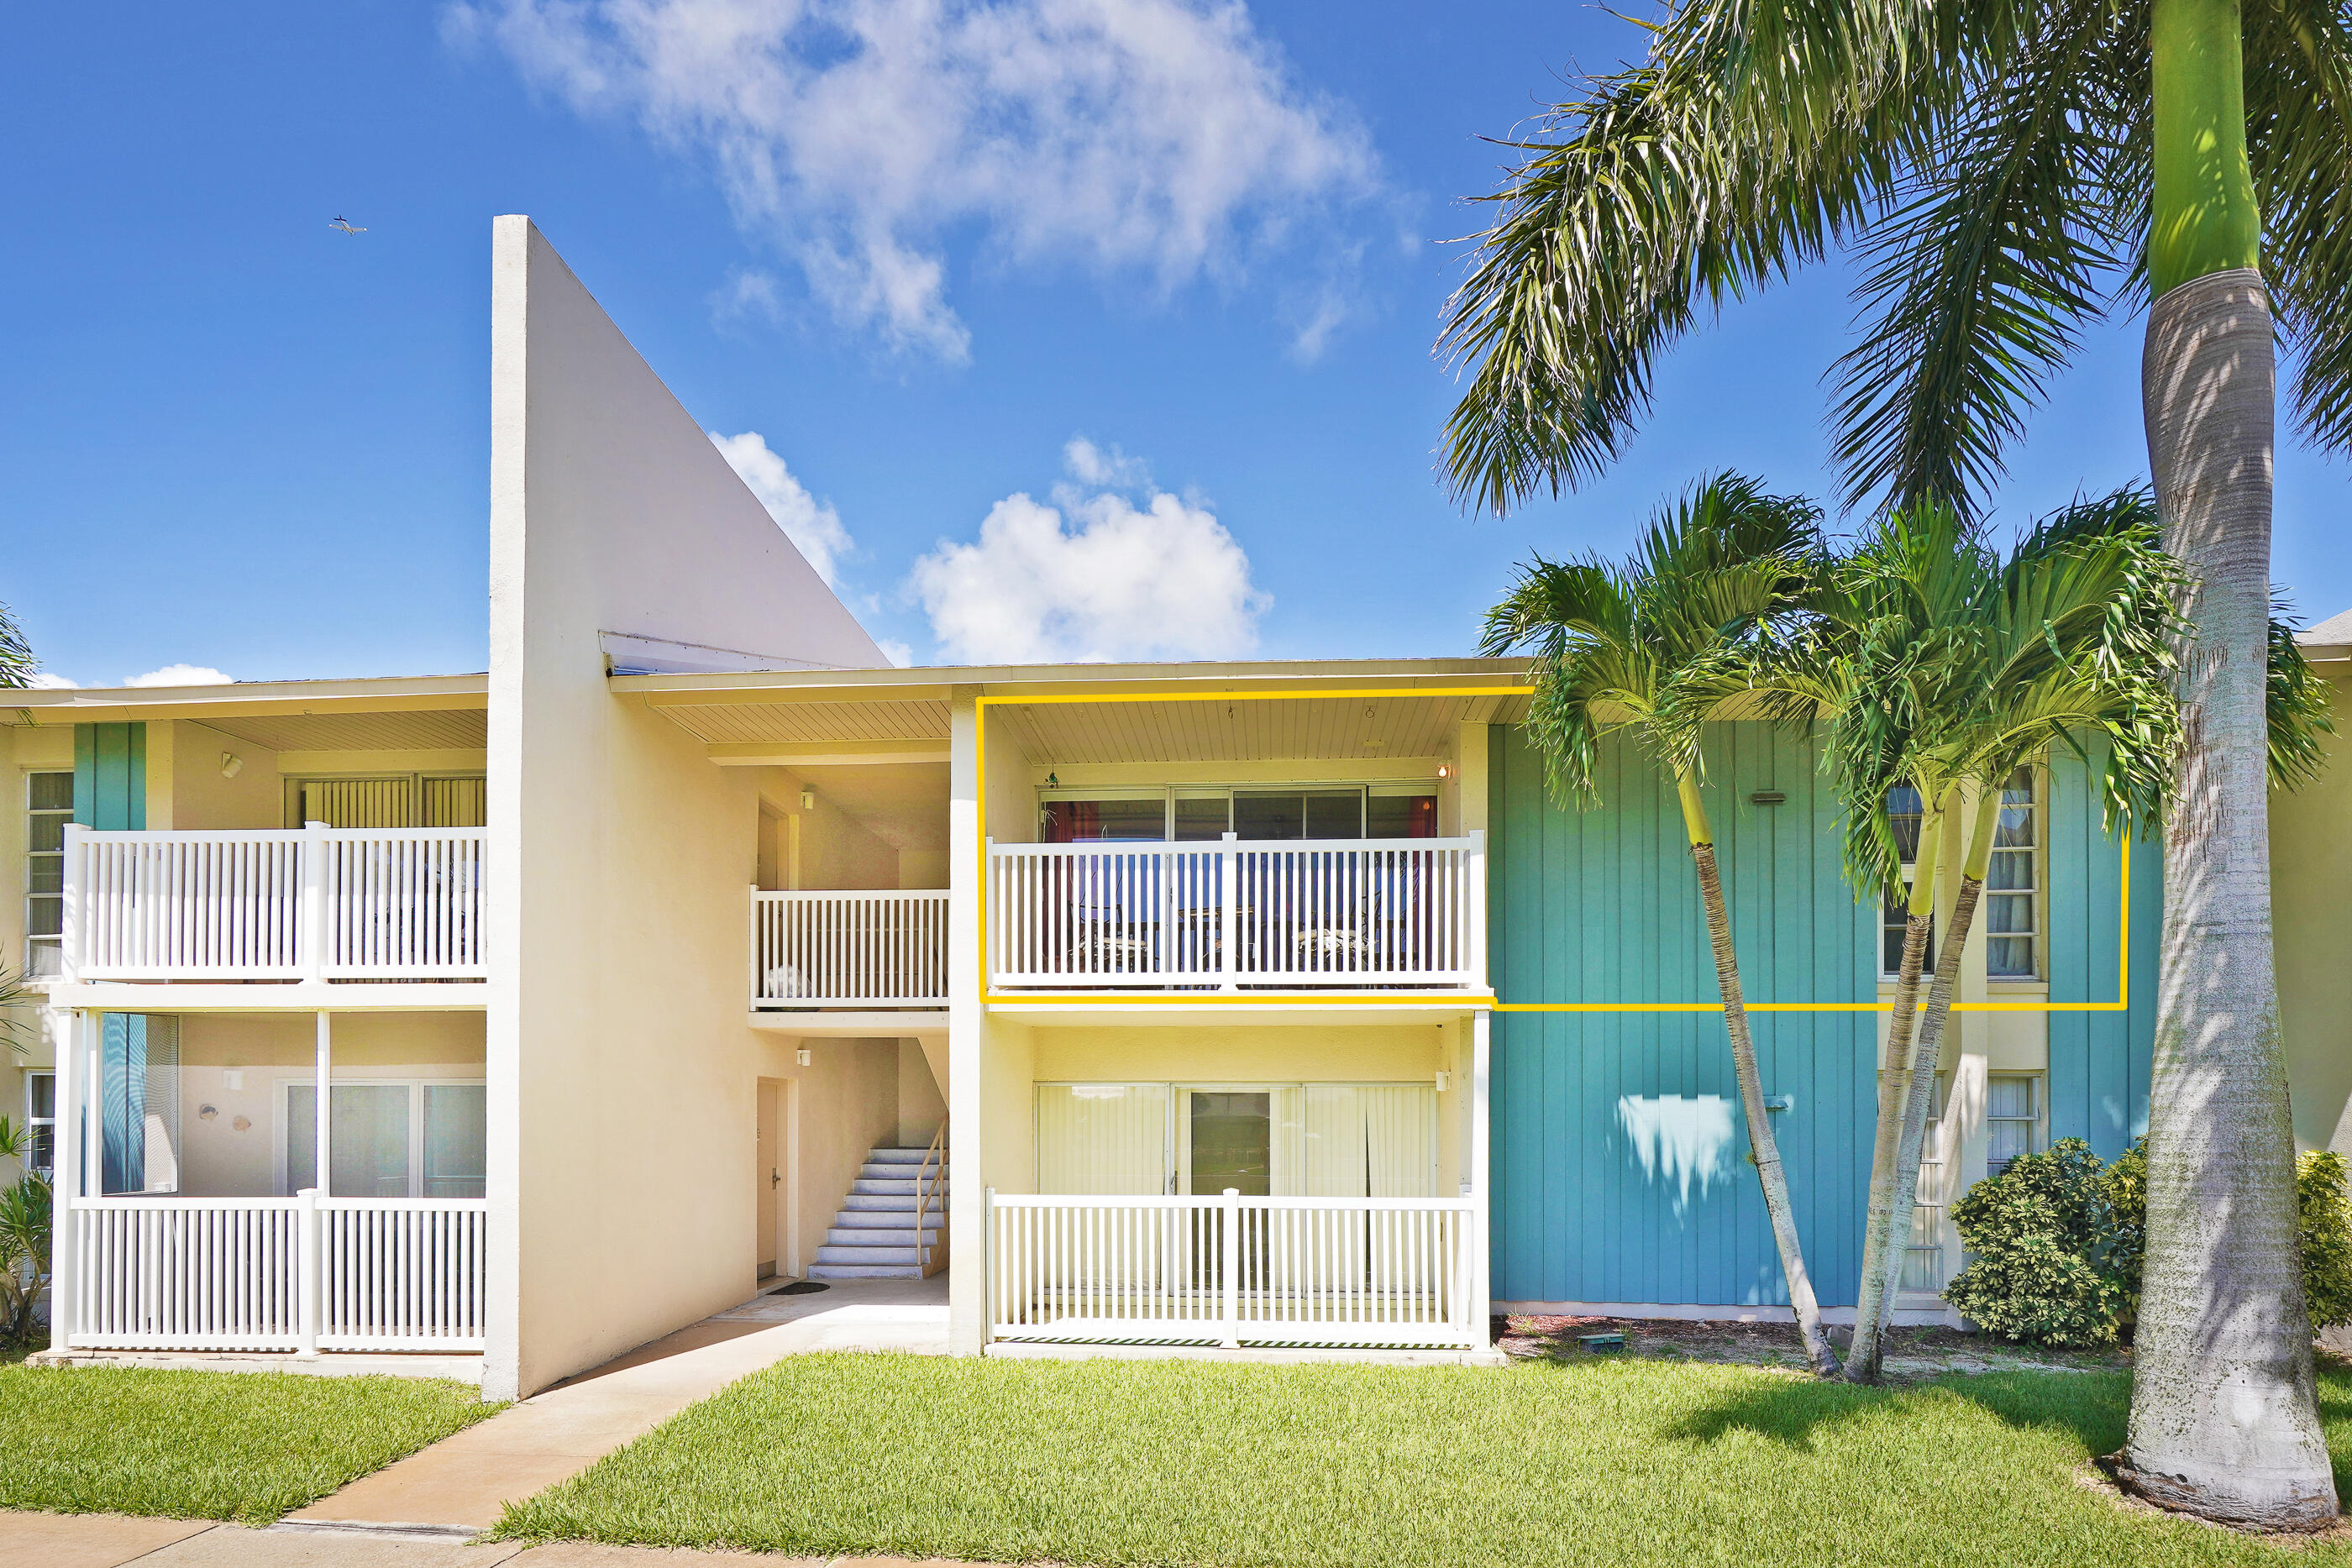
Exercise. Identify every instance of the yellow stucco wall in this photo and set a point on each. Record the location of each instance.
(2311, 912)
(235, 1151)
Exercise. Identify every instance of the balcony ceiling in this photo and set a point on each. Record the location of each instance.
(812, 721)
(1316, 730)
(427, 730)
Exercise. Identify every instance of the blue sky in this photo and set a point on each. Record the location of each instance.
(232, 437)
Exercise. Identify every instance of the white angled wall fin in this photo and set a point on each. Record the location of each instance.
(628, 654)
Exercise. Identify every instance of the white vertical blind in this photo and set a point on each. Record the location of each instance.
(1102, 1138)
(1328, 1140)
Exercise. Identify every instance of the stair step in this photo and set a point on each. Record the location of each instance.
(882, 1170)
(850, 1236)
(866, 1271)
(898, 1156)
(894, 1185)
(901, 1219)
(866, 1255)
(886, 1202)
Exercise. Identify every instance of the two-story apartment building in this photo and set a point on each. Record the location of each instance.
(1206, 1004)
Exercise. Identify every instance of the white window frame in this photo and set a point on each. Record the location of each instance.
(2036, 1123)
(36, 1124)
(2036, 818)
(52, 945)
(1364, 790)
(1176, 1156)
(283, 1124)
(1922, 1264)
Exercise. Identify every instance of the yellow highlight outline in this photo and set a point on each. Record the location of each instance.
(981, 706)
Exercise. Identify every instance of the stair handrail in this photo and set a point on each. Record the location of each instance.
(939, 1149)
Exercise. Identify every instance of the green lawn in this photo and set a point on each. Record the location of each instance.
(1606, 1462)
(208, 1445)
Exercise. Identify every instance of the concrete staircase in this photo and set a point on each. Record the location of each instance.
(878, 1234)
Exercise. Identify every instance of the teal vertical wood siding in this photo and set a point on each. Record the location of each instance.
(110, 776)
(2098, 1060)
(1620, 1165)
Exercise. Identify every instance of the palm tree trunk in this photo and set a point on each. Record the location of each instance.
(2223, 1418)
(1766, 1149)
(1894, 1093)
(1926, 1051)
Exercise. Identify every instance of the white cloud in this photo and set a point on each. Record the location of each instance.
(1165, 138)
(747, 295)
(50, 681)
(1091, 578)
(898, 653)
(813, 526)
(181, 675)
(1111, 470)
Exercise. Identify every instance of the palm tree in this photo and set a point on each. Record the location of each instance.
(1658, 647)
(2009, 172)
(1948, 669)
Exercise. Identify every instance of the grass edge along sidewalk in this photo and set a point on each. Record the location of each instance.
(245, 1445)
(1603, 1462)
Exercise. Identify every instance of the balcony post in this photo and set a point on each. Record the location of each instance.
(1475, 894)
(1229, 875)
(311, 1264)
(313, 912)
(70, 939)
(66, 1167)
(1229, 1267)
(759, 978)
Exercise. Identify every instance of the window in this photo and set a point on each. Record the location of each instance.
(389, 800)
(41, 1123)
(1301, 1140)
(1202, 813)
(2012, 1119)
(1903, 816)
(1923, 1254)
(388, 1138)
(48, 807)
(2011, 884)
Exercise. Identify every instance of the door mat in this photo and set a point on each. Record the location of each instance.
(800, 1287)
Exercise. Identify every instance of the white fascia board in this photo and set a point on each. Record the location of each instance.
(399, 694)
(934, 682)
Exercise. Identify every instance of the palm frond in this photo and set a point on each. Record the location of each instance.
(1661, 190)
(2298, 76)
(1981, 278)
(18, 666)
(2296, 704)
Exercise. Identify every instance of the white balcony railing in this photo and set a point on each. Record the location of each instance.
(301, 1273)
(313, 902)
(1230, 1271)
(861, 949)
(1229, 915)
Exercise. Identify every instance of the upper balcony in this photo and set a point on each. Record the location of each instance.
(1229, 915)
(315, 903)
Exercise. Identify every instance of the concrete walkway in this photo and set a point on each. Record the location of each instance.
(111, 1540)
(466, 1480)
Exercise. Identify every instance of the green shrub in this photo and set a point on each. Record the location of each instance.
(2327, 1225)
(2039, 1232)
(2060, 1243)
(2127, 1219)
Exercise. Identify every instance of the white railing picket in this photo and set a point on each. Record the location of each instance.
(881, 948)
(1231, 914)
(300, 904)
(1225, 1269)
